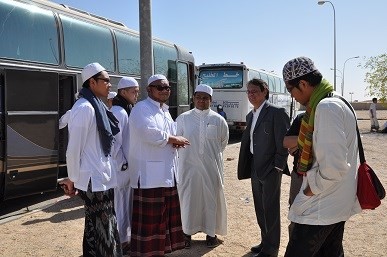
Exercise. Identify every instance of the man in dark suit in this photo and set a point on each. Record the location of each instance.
(263, 158)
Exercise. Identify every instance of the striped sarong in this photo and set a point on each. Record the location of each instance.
(100, 236)
(156, 222)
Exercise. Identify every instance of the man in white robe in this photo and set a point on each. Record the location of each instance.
(200, 170)
(122, 103)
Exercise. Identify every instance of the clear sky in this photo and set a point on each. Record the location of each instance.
(265, 34)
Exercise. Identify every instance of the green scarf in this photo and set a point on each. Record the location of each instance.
(305, 137)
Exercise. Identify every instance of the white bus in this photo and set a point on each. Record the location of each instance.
(229, 84)
(43, 48)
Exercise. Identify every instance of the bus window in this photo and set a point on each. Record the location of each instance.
(182, 84)
(128, 48)
(86, 43)
(254, 75)
(162, 54)
(272, 86)
(28, 33)
(266, 79)
(222, 78)
(278, 85)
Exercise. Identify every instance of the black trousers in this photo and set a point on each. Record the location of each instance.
(316, 241)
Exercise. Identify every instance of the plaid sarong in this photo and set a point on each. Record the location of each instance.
(156, 222)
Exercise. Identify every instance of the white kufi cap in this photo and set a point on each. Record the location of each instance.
(126, 82)
(111, 95)
(204, 88)
(90, 70)
(155, 77)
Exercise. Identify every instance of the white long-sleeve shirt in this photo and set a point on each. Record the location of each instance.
(333, 176)
(120, 150)
(85, 158)
(152, 160)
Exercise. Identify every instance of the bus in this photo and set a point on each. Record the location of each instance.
(229, 82)
(43, 48)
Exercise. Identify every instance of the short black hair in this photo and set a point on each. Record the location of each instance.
(261, 84)
(313, 78)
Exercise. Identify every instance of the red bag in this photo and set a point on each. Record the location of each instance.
(369, 188)
(366, 192)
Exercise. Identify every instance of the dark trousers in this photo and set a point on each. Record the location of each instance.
(316, 241)
(266, 194)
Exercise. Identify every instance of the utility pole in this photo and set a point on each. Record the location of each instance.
(146, 45)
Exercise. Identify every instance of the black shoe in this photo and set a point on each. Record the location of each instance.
(187, 241)
(212, 242)
(256, 249)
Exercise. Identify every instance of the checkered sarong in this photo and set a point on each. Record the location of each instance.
(156, 222)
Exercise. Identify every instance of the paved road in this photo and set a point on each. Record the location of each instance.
(16, 208)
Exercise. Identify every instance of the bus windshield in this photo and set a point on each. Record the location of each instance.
(222, 78)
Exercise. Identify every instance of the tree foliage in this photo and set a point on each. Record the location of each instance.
(377, 76)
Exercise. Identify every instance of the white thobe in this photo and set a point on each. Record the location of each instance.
(200, 172)
(373, 118)
(123, 193)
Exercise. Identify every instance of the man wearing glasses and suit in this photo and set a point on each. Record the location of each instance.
(263, 158)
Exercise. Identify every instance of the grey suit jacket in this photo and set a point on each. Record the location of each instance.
(268, 136)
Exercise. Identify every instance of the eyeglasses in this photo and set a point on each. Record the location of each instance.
(203, 98)
(104, 79)
(289, 89)
(252, 92)
(161, 88)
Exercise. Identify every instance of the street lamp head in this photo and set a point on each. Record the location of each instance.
(321, 2)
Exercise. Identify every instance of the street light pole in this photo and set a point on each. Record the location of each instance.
(351, 93)
(341, 79)
(334, 40)
(342, 84)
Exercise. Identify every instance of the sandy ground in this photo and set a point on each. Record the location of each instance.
(57, 230)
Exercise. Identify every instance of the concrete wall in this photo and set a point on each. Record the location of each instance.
(366, 106)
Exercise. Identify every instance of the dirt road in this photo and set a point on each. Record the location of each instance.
(57, 230)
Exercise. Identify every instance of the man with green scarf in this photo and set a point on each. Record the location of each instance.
(328, 162)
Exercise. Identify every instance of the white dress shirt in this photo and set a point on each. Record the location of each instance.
(152, 161)
(85, 158)
(253, 122)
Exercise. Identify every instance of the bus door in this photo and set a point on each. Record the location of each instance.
(185, 87)
(31, 126)
(172, 78)
(67, 90)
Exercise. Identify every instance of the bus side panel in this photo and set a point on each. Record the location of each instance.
(235, 105)
(31, 120)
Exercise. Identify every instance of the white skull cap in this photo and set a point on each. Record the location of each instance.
(155, 77)
(204, 88)
(90, 70)
(126, 82)
(111, 95)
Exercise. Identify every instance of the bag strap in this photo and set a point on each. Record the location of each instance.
(359, 143)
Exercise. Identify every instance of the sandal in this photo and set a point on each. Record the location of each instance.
(212, 242)
(187, 241)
